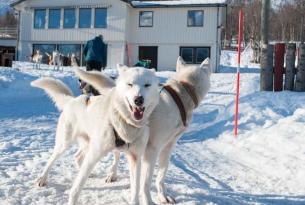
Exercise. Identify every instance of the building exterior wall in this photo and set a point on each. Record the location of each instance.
(168, 54)
(114, 34)
(169, 31)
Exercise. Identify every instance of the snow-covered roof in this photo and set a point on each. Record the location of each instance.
(177, 3)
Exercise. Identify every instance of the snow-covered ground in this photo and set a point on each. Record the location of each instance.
(265, 164)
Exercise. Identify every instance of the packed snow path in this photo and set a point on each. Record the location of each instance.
(264, 165)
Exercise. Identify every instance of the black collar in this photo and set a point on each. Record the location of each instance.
(119, 142)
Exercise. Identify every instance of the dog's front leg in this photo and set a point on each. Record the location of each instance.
(163, 163)
(88, 164)
(112, 176)
(135, 172)
(149, 161)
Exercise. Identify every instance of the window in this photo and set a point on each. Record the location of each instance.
(44, 48)
(194, 55)
(54, 18)
(40, 18)
(146, 19)
(69, 18)
(84, 18)
(100, 18)
(195, 18)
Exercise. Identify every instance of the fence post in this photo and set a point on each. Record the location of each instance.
(300, 77)
(290, 66)
(266, 83)
(279, 54)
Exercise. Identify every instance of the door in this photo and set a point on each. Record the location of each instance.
(149, 53)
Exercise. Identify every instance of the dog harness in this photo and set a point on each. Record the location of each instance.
(190, 90)
(119, 142)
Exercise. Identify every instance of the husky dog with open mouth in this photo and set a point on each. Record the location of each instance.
(178, 99)
(115, 121)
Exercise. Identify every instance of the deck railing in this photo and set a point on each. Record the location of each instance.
(9, 33)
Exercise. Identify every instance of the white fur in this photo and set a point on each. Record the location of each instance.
(56, 89)
(97, 79)
(57, 60)
(92, 125)
(74, 61)
(166, 127)
(37, 58)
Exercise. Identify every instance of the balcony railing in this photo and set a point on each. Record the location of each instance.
(8, 33)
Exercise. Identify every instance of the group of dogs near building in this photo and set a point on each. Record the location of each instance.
(57, 59)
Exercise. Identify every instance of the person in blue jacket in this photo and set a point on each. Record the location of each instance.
(95, 52)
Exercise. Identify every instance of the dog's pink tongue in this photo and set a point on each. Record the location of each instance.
(138, 114)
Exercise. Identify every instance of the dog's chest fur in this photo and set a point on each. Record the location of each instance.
(127, 132)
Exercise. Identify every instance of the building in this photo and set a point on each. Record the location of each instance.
(159, 31)
(8, 43)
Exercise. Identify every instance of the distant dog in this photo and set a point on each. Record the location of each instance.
(57, 60)
(36, 59)
(50, 58)
(178, 99)
(73, 60)
(117, 120)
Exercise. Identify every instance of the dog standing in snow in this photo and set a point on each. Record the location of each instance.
(117, 120)
(178, 99)
(37, 58)
(73, 60)
(57, 60)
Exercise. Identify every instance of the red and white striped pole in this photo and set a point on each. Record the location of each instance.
(240, 38)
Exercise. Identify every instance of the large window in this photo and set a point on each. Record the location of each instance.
(84, 18)
(54, 18)
(195, 18)
(40, 18)
(44, 50)
(194, 55)
(100, 18)
(146, 19)
(69, 18)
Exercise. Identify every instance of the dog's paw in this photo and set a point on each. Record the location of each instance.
(166, 199)
(110, 178)
(42, 181)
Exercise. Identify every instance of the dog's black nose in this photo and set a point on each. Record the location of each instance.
(139, 100)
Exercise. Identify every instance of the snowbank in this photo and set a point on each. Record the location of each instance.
(264, 165)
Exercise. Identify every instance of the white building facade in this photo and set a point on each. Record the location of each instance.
(133, 31)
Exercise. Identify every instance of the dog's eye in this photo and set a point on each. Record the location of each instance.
(129, 84)
(147, 85)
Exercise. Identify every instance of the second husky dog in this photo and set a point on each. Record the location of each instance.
(178, 99)
(117, 120)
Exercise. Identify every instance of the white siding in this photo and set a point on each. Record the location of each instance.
(170, 27)
(170, 32)
(115, 31)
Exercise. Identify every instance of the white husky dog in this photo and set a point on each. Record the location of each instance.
(167, 122)
(116, 120)
(57, 60)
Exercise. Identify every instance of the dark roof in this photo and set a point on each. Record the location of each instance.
(20, 1)
(16, 2)
(155, 4)
(177, 3)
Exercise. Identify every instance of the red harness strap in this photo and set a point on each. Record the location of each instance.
(178, 102)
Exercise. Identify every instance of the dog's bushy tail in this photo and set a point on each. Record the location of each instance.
(97, 79)
(56, 89)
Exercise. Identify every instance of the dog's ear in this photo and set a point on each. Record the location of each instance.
(121, 68)
(206, 65)
(180, 64)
